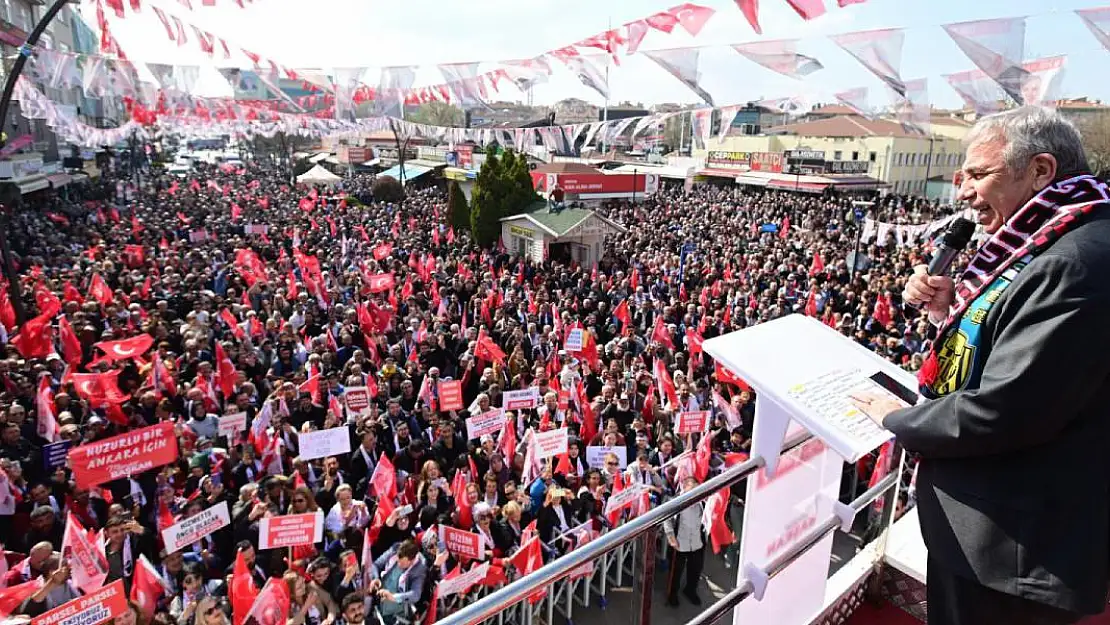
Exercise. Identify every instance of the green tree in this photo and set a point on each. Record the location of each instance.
(486, 203)
(458, 213)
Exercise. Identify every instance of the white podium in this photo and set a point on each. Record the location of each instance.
(804, 374)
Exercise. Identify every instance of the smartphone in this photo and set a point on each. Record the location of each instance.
(404, 510)
(440, 483)
(898, 390)
(350, 561)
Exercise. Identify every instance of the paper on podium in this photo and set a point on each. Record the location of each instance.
(811, 371)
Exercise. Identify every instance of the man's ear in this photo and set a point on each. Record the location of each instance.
(1043, 168)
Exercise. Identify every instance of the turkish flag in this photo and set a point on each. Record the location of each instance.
(621, 313)
(99, 389)
(225, 371)
(660, 335)
(48, 303)
(242, 590)
(71, 294)
(486, 349)
(14, 596)
(381, 282)
(384, 479)
(526, 560)
(99, 290)
(71, 345)
(702, 456)
(146, 586)
(694, 341)
(35, 338)
(127, 348)
(714, 521)
(271, 607)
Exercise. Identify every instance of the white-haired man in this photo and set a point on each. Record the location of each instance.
(1014, 475)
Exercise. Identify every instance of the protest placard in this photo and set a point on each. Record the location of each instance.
(94, 608)
(290, 530)
(462, 583)
(595, 455)
(124, 455)
(517, 400)
(232, 424)
(574, 340)
(321, 443)
(464, 545)
(54, 454)
(486, 423)
(357, 398)
(564, 399)
(256, 228)
(188, 531)
(624, 498)
(198, 236)
(450, 395)
(551, 443)
(692, 422)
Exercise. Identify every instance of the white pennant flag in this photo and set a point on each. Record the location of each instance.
(682, 63)
(590, 70)
(465, 84)
(392, 85)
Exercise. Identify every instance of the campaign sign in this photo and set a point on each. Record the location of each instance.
(290, 530)
(692, 422)
(563, 401)
(357, 398)
(450, 395)
(321, 443)
(188, 531)
(54, 454)
(124, 455)
(198, 236)
(464, 545)
(551, 443)
(485, 423)
(232, 424)
(595, 455)
(98, 607)
(256, 228)
(624, 498)
(462, 583)
(574, 340)
(516, 400)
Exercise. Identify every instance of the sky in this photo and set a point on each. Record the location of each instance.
(375, 33)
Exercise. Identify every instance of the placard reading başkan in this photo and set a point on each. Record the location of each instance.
(321, 443)
(465, 545)
(124, 455)
(92, 609)
(450, 395)
(692, 422)
(485, 423)
(551, 443)
(190, 530)
(463, 582)
(516, 400)
(232, 424)
(290, 530)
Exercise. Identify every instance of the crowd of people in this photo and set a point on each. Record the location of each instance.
(186, 300)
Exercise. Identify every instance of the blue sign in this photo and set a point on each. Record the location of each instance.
(54, 454)
(769, 228)
(859, 214)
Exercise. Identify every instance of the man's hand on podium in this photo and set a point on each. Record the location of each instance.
(875, 405)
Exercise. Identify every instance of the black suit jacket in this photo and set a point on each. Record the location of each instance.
(1015, 476)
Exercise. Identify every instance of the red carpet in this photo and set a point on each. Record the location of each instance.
(889, 615)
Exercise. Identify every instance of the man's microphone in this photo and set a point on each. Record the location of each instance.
(954, 241)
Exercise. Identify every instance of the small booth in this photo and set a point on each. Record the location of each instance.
(318, 175)
(573, 234)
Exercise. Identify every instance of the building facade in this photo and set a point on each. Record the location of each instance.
(908, 161)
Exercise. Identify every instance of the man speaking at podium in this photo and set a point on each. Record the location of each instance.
(1014, 437)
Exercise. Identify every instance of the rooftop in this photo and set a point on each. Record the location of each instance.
(558, 224)
(565, 167)
(845, 126)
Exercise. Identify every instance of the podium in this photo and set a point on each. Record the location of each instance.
(804, 375)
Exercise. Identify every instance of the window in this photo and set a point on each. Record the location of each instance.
(837, 155)
(855, 156)
(873, 156)
(898, 159)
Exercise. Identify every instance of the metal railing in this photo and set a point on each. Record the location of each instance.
(562, 567)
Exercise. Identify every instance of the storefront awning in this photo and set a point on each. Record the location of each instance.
(59, 180)
(411, 172)
(32, 185)
(319, 157)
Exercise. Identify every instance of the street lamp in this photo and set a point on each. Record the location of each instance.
(25, 51)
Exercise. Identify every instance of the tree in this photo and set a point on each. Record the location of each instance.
(1096, 142)
(504, 188)
(458, 213)
(437, 114)
(486, 203)
(387, 189)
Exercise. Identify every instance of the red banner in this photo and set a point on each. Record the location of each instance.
(124, 455)
(290, 530)
(450, 395)
(766, 161)
(464, 545)
(590, 184)
(92, 609)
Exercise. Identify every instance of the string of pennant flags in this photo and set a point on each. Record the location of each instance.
(996, 47)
